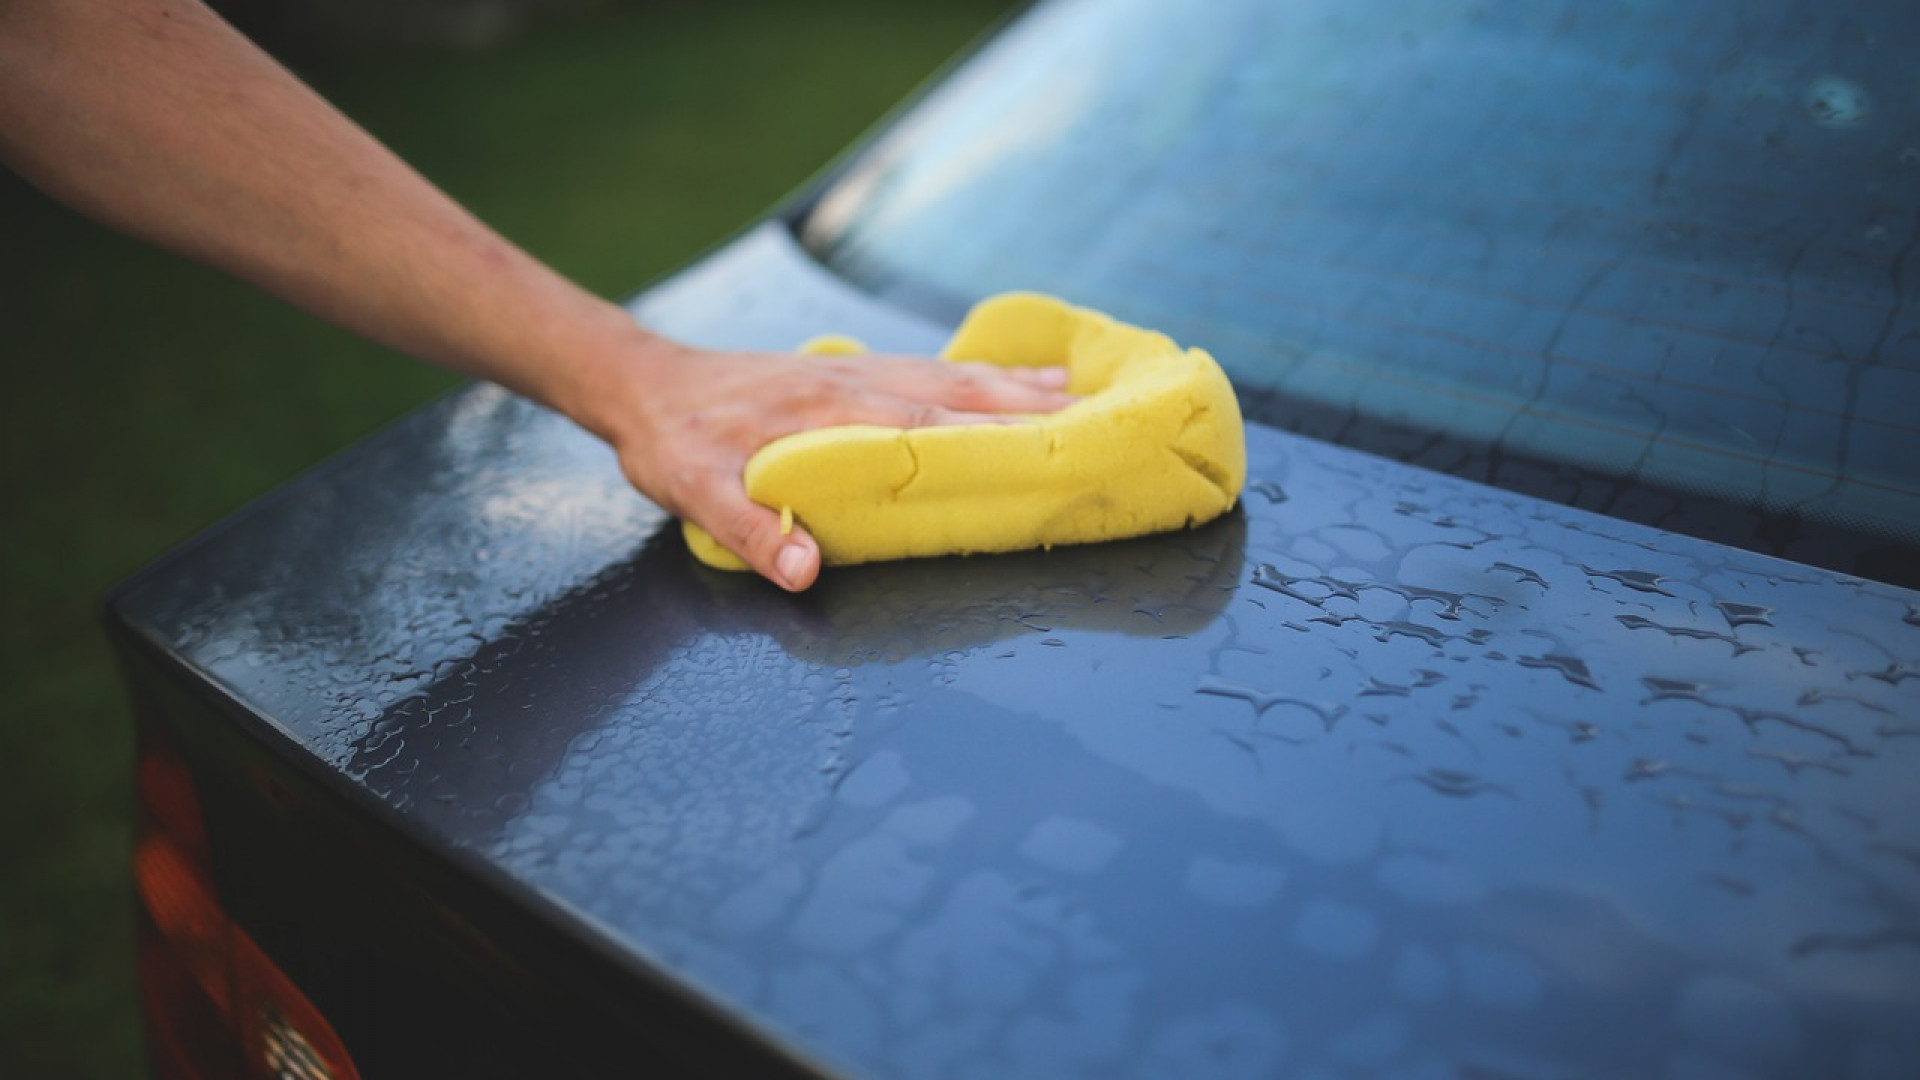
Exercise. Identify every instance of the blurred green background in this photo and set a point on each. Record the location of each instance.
(145, 397)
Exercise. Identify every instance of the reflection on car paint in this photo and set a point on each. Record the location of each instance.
(1395, 774)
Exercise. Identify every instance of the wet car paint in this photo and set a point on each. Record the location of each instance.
(1620, 257)
(1385, 774)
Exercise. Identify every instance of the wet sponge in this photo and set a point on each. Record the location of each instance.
(1155, 443)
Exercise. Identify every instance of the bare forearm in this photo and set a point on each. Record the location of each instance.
(156, 117)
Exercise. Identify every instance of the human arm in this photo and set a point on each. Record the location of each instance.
(156, 117)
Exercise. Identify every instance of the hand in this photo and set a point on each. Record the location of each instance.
(692, 418)
(205, 145)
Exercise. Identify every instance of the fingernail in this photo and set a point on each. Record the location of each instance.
(789, 564)
(1051, 376)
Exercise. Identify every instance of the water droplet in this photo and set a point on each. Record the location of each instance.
(1450, 602)
(1595, 799)
(1459, 785)
(1637, 622)
(1796, 762)
(1522, 573)
(1572, 668)
(1261, 700)
(1894, 674)
(1737, 820)
(1739, 615)
(1644, 581)
(1673, 688)
(1647, 769)
(1413, 630)
(1268, 576)
(1837, 101)
(1268, 490)
(1753, 717)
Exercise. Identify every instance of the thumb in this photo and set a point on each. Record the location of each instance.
(780, 552)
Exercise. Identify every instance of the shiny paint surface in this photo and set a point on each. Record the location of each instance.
(1384, 774)
(1668, 246)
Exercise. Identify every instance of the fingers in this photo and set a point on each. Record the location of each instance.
(695, 418)
(965, 390)
(908, 414)
(890, 391)
(1053, 378)
(789, 558)
(986, 388)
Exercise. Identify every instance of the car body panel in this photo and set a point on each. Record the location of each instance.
(1385, 772)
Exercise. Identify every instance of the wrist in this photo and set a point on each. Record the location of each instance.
(604, 379)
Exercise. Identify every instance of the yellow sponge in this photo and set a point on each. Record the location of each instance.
(1155, 443)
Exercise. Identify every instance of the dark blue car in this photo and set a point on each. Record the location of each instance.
(1548, 708)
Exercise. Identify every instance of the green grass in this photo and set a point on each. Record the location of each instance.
(144, 398)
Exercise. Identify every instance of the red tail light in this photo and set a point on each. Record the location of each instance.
(217, 1006)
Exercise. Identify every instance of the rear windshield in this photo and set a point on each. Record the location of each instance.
(1672, 242)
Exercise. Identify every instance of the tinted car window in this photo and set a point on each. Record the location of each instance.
(1670, 243)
